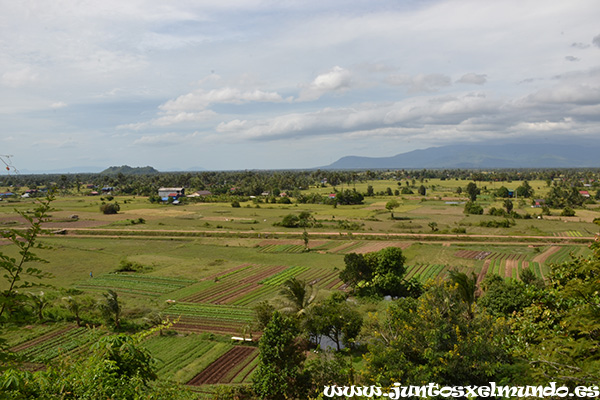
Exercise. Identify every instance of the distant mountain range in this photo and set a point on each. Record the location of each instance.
(478, 156)
(127, 170)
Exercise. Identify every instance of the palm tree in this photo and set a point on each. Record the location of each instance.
(38, 303)
(298, 295)
(466, 288)
(75, 307)
(156, 318)
(111, 307)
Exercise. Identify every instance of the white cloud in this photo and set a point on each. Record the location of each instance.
(58, 105)
(472, 78)
(201, 99)
(544, 126)
(335, 80)
(166, 139)
(421, 82)
(101, 63)
(15, 78)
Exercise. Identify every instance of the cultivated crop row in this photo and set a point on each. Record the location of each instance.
(174, 355)
(424, 272)
(229, 289)
(226, 367)
(283, 248)
(284, 275)
(64, 343)
(216, 312)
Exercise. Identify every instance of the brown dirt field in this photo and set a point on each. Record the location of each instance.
(484, 271)
(510, 266)
(341, 247)
(524, 265)
(42, 339)
(216, 371)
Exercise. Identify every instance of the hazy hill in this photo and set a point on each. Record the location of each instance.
(481, 156)
(127, 170)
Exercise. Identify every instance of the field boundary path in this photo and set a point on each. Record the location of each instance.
(167, 233)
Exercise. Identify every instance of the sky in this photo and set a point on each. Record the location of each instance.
(250, 84)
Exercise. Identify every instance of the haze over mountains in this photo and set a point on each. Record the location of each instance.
(464, 156)
(481, 156)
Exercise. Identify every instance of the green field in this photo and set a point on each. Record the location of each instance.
(207, 265)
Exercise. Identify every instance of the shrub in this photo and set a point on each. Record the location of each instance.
(505, 223)
(473, 208)
(110, 208)
(567, 212)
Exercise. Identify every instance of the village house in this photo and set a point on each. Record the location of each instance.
(170, 192)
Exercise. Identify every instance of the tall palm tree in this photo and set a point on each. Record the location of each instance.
(74, 306)
(467, 287)
(111, 308)
(298, 295)
(38, 303)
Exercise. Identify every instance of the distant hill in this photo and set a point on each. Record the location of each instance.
(127, 170)
(478, 156)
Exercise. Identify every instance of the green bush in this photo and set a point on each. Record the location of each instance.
(473, 208)
(567, 212)
(110, 208)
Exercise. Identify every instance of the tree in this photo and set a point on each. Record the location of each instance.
(111, 308)
(110, 208)
(370, 191)
(263, 312)
(305, 239)
(559, 332)
(39, 302)
(336, 319)
(508, 204)
(502, 192)
(391, 205)
(76, 306)
(433, 225)
(14, 267)
(504, 297)
(422, 190)
(525, 190)
(473, 208)
(567, 212)
(379, 273)
(298, 295)
(466, 286)
(473, 190)
(279, 371)
(432, 339)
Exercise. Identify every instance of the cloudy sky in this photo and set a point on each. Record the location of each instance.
(247, 84)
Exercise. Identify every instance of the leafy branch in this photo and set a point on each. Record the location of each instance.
(15, 268)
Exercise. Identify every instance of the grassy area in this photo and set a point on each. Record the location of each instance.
(216, 281)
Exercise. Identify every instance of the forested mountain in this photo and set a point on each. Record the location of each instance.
(481, 156)
(127, 170)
